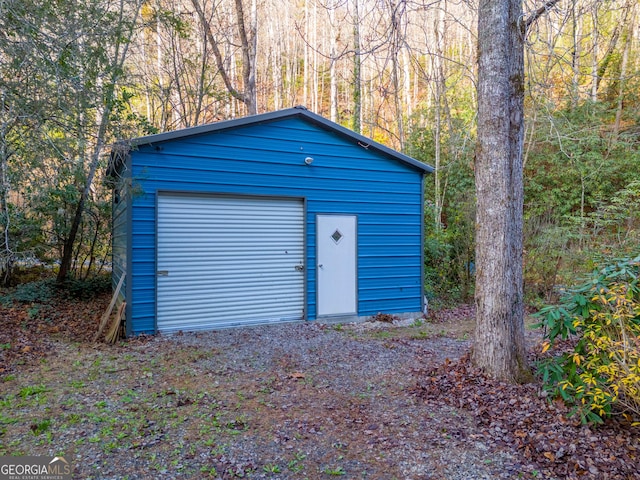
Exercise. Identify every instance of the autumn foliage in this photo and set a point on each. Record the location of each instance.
(594, 338)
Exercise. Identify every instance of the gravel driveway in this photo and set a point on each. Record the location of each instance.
(288, 401)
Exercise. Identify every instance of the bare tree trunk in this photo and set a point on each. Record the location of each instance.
(248, 40)
(406, 84)
(397, 20)
(92, 249)
(357, 71)
(622, 81)
(575, 57)
(440, 91)
(202, 76)
(499, 347)
(594, 54)
(7, 255)
(437, 163)
(314, 70)
(67, 251)
(608, 56)
(305, 75)
(333, 80)
(276, 73)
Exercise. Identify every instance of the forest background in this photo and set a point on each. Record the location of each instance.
(78, 75)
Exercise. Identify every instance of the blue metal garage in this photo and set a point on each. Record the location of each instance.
(283, 216)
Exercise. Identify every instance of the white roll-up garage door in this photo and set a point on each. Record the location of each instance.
(228, 261)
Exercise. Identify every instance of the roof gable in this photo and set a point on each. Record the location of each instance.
(296, 112)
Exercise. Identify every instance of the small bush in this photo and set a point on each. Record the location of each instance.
(88, 288)
(600, 373)
(43, 291)
(29, 274)
(449, 261)
(39, 291)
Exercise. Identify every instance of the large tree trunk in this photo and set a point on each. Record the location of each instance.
(499, 347)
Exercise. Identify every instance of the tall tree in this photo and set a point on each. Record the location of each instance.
(499, 346)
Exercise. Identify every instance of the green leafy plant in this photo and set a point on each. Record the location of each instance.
(33, 292)
(209, 470)
(41, 427)
(334, 471)
(271, 468)
(600, 372)
(294, 465)
(87, 288)
(32, 390)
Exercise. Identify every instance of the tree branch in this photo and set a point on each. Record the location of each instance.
(527, 21)
(217, 54)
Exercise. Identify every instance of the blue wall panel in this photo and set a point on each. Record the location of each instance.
(268, 159)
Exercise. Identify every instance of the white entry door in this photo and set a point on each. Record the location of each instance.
(336, 240)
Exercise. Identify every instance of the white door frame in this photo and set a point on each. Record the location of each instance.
(336, 265)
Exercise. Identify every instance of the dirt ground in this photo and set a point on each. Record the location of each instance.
(293, 401)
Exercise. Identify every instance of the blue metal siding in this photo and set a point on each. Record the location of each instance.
(268, 159)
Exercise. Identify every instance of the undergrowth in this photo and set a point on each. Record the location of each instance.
(45, 290)
(599, 374)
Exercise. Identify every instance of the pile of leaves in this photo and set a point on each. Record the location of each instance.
(383, 317)
(35, 315)
(457, 313)
(558, 445)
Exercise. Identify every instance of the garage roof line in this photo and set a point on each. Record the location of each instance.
(300, 112)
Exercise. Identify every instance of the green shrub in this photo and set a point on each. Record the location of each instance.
(600, 372)
(89, 287)
(39, 291)
(448, 259)
(30, 274)
(43, 291)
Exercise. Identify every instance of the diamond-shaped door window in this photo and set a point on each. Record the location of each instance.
(336, 236)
